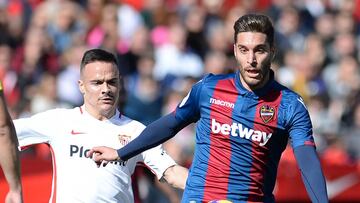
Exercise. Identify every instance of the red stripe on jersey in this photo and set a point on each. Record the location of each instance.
(266, 117)
(309, 143)
(81, 111)
(218, 171)
(54, 182)
(22, 148)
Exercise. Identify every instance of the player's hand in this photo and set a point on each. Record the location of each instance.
(14, 196)
(102, 155)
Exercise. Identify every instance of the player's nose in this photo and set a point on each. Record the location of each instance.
(105, 88)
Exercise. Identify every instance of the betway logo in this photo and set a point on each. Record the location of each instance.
(238, 130)
(221, 103)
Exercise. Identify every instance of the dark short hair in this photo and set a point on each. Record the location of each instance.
(94, 55)
(255, 23)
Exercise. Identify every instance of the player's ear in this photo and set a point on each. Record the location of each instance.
(234, 49)
(81, 86)
(273, 53)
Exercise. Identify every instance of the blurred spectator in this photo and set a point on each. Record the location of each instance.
(129, 20)
(144, 97)
(15, 20)
(324, 123)
(216, 40)
(274, 11)
(345, 23)
(8, 77)
(325, 28)
(216, 62)
(195, 26)
(164, 46)
(105, 34)
(344, 45)
(45, 94)
(288, 35)
(174, 58)
(67, 84)
(94, 12)
(343, 78)
(33, 58)
(352, 134)
(139, 45)
(68, 27)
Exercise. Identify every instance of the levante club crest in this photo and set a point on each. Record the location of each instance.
(267, 113)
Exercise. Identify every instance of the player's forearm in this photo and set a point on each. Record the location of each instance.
(176, 176)
(9, 161)
(156, 133)
(9, 157)
(311, 173)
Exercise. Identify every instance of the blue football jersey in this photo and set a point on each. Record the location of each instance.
(240, 136)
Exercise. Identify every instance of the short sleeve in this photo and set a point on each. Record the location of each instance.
(157, 160)
(35, 129)
(300, 126)
(188, 109)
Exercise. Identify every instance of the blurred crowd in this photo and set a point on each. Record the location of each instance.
(164, 46)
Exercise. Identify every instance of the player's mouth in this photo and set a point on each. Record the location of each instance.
(253, 73)
(107, 100)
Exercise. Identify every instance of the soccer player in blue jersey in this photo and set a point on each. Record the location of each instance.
(244, 121)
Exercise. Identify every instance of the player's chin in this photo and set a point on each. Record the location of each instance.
(253, 81)
(107, 106)
(108, 102)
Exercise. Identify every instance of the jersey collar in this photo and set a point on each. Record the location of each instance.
(116, 116)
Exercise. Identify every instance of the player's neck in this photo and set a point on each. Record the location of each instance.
(100, 115)
(253, 88)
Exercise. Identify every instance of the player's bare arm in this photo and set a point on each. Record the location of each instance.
(9, 157)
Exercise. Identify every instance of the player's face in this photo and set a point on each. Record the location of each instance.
(100, 85)
(253, 54)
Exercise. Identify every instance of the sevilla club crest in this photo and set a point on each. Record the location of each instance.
(124, 139)
(267, 113)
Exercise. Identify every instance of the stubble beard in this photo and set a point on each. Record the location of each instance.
(255, 83)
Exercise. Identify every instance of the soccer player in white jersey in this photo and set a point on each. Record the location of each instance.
(71, 133)
(9, 155)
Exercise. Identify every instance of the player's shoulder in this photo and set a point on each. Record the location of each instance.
(212, 79)
(285, 91)
(289, 97)
(58, 112)
(215, 77)
(130, 123)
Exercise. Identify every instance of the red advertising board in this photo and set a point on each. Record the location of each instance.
(343, 181)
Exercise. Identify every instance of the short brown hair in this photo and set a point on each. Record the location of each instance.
(255, 23)
(94, 55)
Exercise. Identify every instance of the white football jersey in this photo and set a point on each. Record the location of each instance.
(70, 133)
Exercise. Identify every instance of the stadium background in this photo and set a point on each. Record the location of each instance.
(163, 47)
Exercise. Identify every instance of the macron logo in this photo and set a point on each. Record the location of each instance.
(238, 130)
(222, 103)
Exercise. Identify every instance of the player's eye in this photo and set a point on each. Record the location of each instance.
(243, 50)
(112, 82)
(96, 82)
(261, 51)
